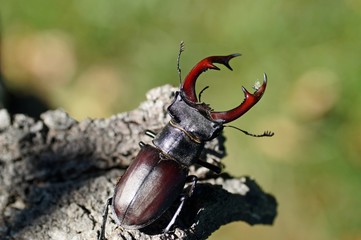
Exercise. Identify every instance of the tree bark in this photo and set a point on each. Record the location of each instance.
(57, 173)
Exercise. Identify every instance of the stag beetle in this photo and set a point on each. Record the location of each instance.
(157, 176)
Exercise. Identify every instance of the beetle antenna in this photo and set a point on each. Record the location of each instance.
(264, 134)
(181, 49)
(200, 93)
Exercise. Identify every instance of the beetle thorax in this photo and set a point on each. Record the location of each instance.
(184, 136)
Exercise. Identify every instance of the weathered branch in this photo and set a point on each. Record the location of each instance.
(56, 174)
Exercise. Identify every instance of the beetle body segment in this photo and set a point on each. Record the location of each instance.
(148, 188)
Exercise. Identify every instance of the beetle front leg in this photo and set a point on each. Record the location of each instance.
(193, 179)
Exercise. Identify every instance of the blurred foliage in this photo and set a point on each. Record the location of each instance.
(96, 58)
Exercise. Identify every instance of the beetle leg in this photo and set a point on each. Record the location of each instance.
(193, 179)
(249, 101)
(188, 87)
(210, 166)
(141, 144)
(104, 215)
(150, 133)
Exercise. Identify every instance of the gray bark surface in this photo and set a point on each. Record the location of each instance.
(57, 173)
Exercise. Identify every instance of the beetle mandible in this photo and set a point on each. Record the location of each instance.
(158, 174)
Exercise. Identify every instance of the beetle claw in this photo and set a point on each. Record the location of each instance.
(188, 86)
(226, 63)
(249, 101)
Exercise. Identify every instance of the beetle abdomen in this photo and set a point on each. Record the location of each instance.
(148, 188)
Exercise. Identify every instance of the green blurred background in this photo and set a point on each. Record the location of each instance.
(96, 58)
